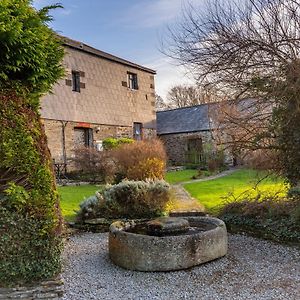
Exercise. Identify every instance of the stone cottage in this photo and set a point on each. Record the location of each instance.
(101, 96)
(191, 134)
(185, 131)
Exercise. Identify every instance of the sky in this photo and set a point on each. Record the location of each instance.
(131, 29)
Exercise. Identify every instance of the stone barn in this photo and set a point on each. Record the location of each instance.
(186, 132)
(101, 96)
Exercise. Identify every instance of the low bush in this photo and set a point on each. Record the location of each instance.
(216, 161)
(294, 192)
(273, 217)
(93, 165)
(112, 143)
(128, 199)
(141, 160)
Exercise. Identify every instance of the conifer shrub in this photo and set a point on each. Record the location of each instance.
(30, 219)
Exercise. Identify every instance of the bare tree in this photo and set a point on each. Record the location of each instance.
(160, 103)
(189, 95)
(249, 49)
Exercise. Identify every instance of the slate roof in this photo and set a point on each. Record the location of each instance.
(88, 49)
(181, 120)
(196, 118)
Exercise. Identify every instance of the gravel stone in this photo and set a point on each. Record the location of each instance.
(252, 269)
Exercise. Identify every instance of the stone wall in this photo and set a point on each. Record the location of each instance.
(176, 144)
(51, 289)
(54, 132)
(104, 97)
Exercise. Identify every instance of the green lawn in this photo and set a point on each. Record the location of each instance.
(210, 193)
(72, 196)
(173, 177)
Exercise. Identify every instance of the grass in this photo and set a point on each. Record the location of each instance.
(72, 196)
(210, 193)
(173, 177)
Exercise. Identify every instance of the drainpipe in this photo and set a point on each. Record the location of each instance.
(63, 127)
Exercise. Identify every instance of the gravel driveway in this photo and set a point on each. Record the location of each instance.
(253, 269)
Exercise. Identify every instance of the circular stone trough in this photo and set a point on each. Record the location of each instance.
(167, 244)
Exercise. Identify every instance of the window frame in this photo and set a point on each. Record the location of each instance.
(132, 81)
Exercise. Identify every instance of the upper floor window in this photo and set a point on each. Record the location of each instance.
(132, 81)
(76, 81)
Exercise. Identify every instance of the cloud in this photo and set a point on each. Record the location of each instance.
(154, 13)
(168, 75)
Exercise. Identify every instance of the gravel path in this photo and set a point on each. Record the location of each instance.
(253, 269)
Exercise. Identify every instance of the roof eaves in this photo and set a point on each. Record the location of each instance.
(88, 49)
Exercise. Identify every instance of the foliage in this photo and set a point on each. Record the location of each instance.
(30, 217)
(294, 192)
(29, 249)
(212, 193)
(270, 216)
(93, 165)
(112, 143)
(249, 50)
(128, 199)
(30, 51)
(149, 168)
(141, 160)
(286, 122)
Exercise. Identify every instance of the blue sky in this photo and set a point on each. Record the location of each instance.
(131, 29)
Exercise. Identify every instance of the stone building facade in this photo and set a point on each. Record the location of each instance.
(188, 135)
(185, 132)
(101, 96)
(185, 148)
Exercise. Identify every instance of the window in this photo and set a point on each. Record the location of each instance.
(132, 81)
(137, 131)
(76, 81)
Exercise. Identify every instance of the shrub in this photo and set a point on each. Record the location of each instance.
(294, 192)
(94, 165)
(216, 161)
(270, 216)
(128, 199)
(261, 159)
(112, 143)
(29, 246)
(30, 220)
(141, 160)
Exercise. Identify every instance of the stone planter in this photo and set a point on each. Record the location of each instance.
(143, 252)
